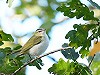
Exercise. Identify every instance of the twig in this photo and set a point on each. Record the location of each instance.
(6, 1)
(91, 60)
(38, 58)
(94, 4)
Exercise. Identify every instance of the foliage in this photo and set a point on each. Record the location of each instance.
(79, 38)
(95, 69)
(76, 8)
(10, 62)
(5, 37)
(69, 68)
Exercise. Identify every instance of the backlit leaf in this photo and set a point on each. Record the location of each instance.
(68, 68)
(6, 37)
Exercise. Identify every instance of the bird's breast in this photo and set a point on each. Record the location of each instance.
(40, 48)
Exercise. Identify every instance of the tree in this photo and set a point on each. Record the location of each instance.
(79, 38)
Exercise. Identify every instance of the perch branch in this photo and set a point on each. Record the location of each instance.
(37, 58)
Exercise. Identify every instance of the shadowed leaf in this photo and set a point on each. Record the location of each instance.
(70, 54)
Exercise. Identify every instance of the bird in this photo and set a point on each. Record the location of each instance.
(36, 45)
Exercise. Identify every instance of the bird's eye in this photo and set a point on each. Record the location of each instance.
(39, 31)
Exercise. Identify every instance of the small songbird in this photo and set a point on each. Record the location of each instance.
(37, 44)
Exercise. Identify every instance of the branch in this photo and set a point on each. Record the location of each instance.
(38, 58)
(94, 4)
(91, 60)
(6, 1)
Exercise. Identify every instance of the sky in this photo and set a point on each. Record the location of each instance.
(15, 27)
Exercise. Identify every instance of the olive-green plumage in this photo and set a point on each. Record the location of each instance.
(36, 45)
(29, 44)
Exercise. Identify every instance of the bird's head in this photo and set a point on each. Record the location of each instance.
(40, 32)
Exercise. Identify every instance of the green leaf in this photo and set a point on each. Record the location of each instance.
(76, 8)
(95, 67)
(70, 54)
(37, 64)
(40, 62)
(17, 47)
(1, 43)
(73, 44)
(9, 65)
(68, 68)
(7, 50)
(71, 34)
(6, 37)
(65, 45)
(84, 52)
(79, 37)
(60, 68)
(1, 58)
(19, 58)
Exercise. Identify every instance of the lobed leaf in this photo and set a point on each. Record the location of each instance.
(76, 8)
(70, 54)
(6, 37)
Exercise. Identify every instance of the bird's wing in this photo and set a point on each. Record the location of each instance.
(34, 40)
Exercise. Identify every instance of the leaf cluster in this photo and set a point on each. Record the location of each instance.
(68, 68)
(11, 62)
(79, 37)
(75, 8)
